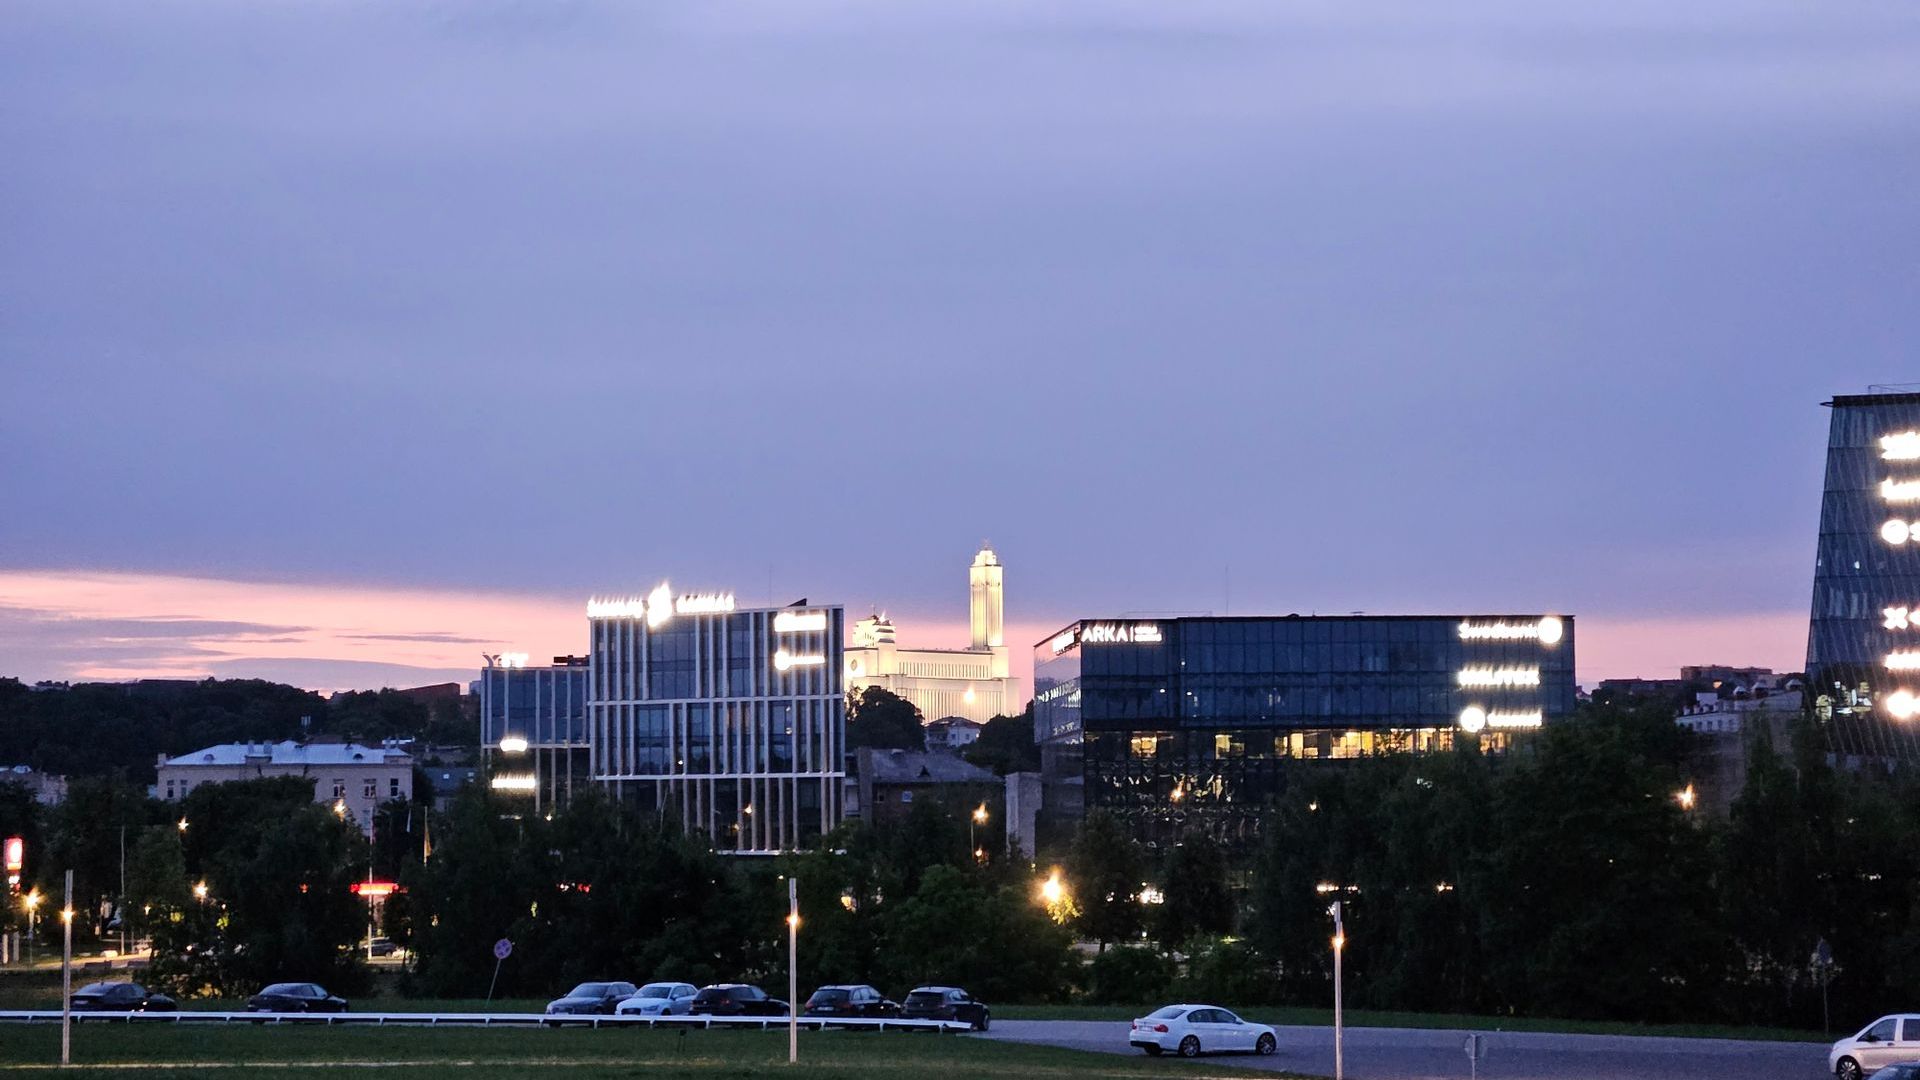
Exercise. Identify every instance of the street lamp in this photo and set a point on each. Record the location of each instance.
(1685, 797)
(182, 823)
(1055, 897)
(32, 903)
(978, 819)
(200, 892)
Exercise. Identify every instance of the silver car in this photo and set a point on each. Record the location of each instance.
(660, 999)
(1890, 1040)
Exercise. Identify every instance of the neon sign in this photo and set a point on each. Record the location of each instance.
(1491, 676)
(1547, 631)
(1902, 446)
(1902, 661)
(658, 606)
(1065, 640)
(1897, 618)
(1473, 718)
(799, 622)
(1900, 491)
(1902, 704)
(1897, 531)
(524, 782)
(786, 661)
(1110, 633)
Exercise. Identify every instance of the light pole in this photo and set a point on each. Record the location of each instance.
(979, 818)
(793, 971)
(66, 977)
(1339, 947)
(32, 901)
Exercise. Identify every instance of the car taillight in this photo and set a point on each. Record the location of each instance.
(1161, 1028)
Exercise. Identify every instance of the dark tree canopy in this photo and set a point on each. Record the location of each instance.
(879, 718)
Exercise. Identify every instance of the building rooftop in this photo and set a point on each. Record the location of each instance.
(919, 767)
(291, 753)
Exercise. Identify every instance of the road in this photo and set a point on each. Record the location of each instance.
(1409, 1054)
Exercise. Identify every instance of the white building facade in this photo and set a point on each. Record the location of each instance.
(733, 721)
(972, 683)
(352, 778)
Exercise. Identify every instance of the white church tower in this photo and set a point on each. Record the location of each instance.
(971, 683)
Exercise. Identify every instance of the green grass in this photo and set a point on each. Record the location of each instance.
(192, 1052)
(1288, 1015)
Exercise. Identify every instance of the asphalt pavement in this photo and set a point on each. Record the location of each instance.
(1414, 1054)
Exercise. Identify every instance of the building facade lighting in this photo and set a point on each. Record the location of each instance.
(1495, 677)
(800, 622)
(516, 782)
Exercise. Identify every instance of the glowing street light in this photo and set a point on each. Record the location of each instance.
(1055, 897)
(978, 819)
(200, 891)
(182, 823)
(1685, 797)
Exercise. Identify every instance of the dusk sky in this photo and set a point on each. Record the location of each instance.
(344, 342)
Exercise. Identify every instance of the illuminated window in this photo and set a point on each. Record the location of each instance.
(1144, 746)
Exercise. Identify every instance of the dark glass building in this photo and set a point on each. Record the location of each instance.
(533, 727)
(1863, 641)
(1194, 723)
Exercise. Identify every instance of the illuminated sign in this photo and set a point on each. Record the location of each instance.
(1065, 640)
(1898, 532)
(786, 661)
(703, 603)
(513, 744)
(1902, 491)
(16, 852)
(506, 659)
(799, 622)
(1473, 718)
(1547, 631)
(1902, 704)
(1491, 676)
(1904, 446)
(658, 606)
(1902, 661)
(1145, 633)
(514, 783)
(1897, 618)
(374, 888)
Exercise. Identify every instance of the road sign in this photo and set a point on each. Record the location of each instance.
(502, 949)
(1476, 1052)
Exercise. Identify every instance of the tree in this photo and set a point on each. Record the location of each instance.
(1106, 868)
(157, 883)
(879, 718)
(1006, 744)
(1195, 896)
(960, 930)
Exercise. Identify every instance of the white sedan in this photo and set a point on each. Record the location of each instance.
(659, 999)
(1192, 1030)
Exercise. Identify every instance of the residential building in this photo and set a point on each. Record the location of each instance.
(352, 778)
(972, 683)
(48, 789)
(1863, 641)
(1194, 723)
(730, 720)
(533, 726)
(952, 733)
(886, 784)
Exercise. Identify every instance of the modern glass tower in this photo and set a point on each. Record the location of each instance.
(1195, 724)
(1863, 641)
(732, 721)
(533, 727)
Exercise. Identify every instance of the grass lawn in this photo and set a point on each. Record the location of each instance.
(1287, 1015)
(295, 1053)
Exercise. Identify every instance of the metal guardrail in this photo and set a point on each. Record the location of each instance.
(424, 1019)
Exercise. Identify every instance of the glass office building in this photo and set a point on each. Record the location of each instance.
(732, 721)
(1863, 641)
(1194, 723)
(533, 727)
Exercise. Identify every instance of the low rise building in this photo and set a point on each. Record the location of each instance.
(47, 789)
(886, 783)
(953, 733)
(354, 778)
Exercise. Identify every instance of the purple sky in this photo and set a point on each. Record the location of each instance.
(1282, 306)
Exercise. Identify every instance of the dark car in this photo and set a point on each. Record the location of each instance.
(946, 1003)
(736, 999)
(120, 997)
(592, 999)
(296, 997)
(850, 1000)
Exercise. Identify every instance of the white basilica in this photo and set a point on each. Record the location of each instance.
(972, 683)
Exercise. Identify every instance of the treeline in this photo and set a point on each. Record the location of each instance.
(97, 729)
(1565, 879)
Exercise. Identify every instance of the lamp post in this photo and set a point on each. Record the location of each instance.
(979, 818)
(793, 970)
(66, 977)
(32, 902)
(1339, 947)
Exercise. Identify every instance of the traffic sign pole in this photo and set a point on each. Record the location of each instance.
(501, 950)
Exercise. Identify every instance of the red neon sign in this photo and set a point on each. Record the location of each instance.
(16, 854)
(374, 888)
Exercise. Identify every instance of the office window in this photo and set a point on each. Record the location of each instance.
(339, 788)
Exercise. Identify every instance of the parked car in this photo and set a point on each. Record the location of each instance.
(1890, 1040)
(382, 947)
(296, 997)
(592, 999)
(736, 999)
(1906, 1071)
(120, 997)
(946, 1003)
(1192, 1030)
(659, 999)
(850, 1000)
